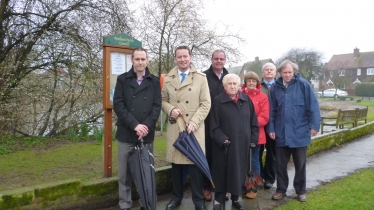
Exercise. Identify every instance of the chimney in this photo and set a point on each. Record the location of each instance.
(356, 52)
(257, 59)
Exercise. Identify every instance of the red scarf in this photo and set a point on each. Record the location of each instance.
(236, 96)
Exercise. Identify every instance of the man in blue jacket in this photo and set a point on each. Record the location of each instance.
(294, 117)
(137, 104)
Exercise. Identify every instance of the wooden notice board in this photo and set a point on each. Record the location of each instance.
(117, 51)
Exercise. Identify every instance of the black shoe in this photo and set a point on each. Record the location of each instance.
(217, 206)
(126, 209)
(268, 185)
(172, 204)
(238, 205)
(200, 208)
(142, 208)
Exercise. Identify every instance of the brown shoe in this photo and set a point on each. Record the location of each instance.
(208, 195)
(278, 196)
(301, 198)
(251, 195)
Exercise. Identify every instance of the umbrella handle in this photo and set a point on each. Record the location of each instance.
(142, 142)
(184, 119)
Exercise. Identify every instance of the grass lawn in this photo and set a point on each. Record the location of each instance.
(370, 104)
(36, 163)
(350, 193)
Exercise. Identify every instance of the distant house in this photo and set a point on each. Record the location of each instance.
(255, 66)
(350, 69)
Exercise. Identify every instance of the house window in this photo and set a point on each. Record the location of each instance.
(370, 71)
(331, 73)
(342, 72)
(358, 72)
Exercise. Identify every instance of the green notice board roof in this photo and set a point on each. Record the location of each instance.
(122, 40)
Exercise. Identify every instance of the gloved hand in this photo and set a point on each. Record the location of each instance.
(252, 145)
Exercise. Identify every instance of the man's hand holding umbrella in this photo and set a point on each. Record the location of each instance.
(141, 130)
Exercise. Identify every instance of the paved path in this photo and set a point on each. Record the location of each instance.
(321, 168)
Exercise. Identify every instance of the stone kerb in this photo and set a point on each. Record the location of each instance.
(73, 194)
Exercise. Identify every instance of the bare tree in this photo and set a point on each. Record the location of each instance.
(167, 24)
(51, 62)
(27, 26)
(309, 62)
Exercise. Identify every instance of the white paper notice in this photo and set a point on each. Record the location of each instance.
(117, 62)
(128, 61)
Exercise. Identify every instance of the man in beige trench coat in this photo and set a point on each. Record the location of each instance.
(185, 91)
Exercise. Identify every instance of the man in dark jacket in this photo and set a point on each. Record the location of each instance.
(294, 117)
(214, 75)
(268, 170)
(137, 104)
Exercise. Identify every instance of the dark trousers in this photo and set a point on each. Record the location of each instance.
(299, 159)
(268, 170)
(220, 197)
(196, 180)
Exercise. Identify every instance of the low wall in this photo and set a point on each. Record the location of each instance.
(74, 194)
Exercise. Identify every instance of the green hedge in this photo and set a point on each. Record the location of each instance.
(364, 90)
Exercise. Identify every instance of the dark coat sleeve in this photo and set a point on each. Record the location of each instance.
(119, 104)
(215, 122)
(151, 120)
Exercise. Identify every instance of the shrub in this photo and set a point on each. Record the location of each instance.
(342, 98)
(98, 134)
(358, 100)
(72, 135)
(351, 98)
(364, 90)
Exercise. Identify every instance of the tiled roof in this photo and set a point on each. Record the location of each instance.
(235, 70)
(365, 59)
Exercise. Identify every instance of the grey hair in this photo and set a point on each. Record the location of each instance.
(229, 76)
(269, 64)
(284, 65)
(217, 51)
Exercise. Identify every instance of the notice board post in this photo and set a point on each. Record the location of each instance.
(117, 51)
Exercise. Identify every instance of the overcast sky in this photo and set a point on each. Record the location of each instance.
(272, 27)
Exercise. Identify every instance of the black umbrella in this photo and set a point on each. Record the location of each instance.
(188, 145)
(141, 163)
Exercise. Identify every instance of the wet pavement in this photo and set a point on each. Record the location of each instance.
(321, 168)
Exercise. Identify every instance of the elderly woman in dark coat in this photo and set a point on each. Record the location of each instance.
(233, 123)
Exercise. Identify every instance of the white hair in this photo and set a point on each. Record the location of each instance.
(230, 76)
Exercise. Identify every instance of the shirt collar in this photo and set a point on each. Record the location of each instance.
(186, 72)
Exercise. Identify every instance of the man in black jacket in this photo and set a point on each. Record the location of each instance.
(214, 75)
(137, 104)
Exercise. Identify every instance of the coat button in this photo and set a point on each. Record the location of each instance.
(186, 102)
(189, 89)
(145, 98)
(178, 101)
(133, 96)
(132, 110)
(186, 115)
(175, 89)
